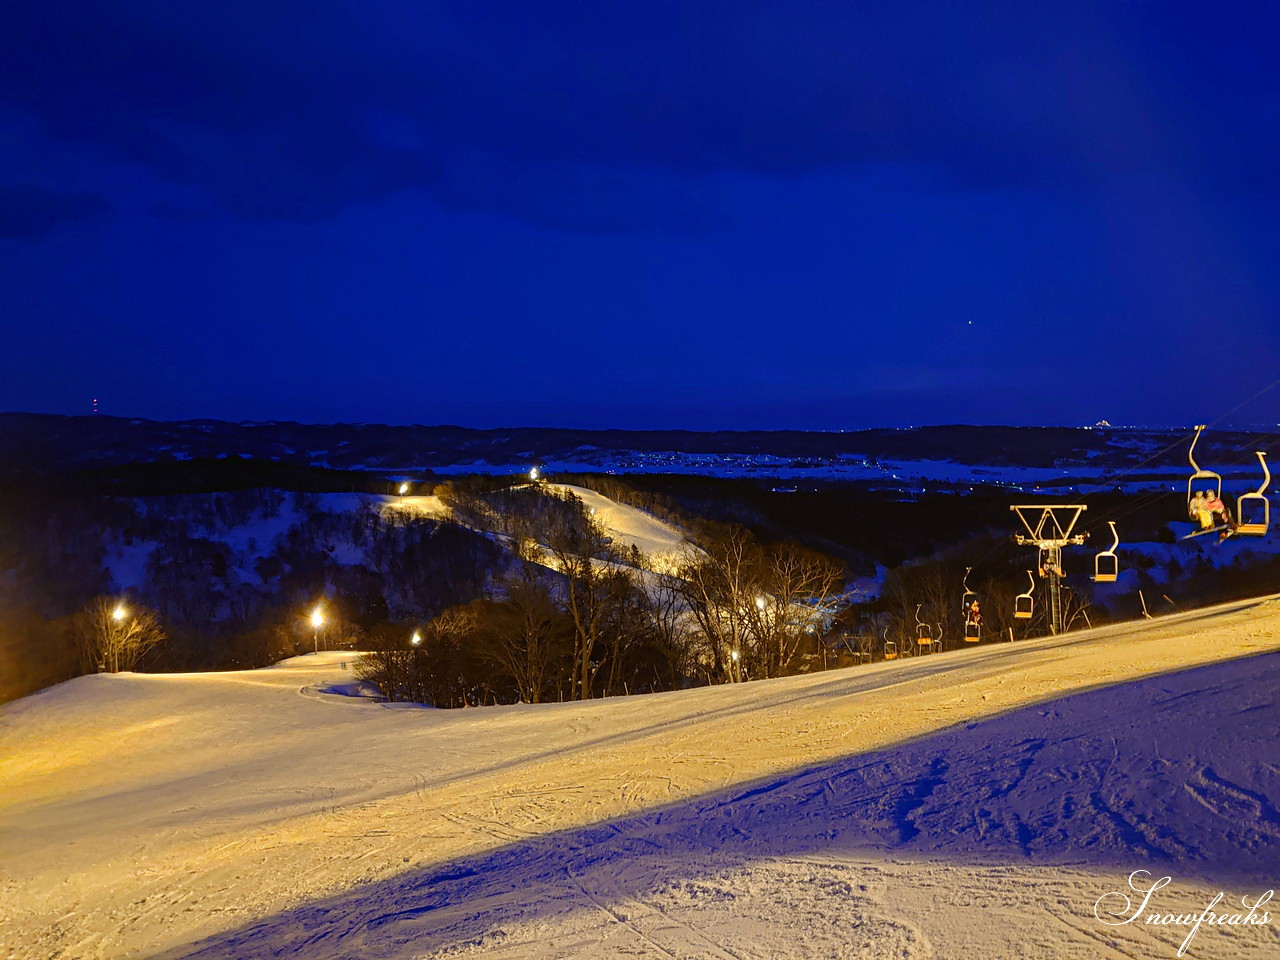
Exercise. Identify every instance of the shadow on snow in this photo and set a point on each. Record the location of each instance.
(1179, 773)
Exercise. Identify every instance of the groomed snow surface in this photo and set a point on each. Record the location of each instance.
(972, 804)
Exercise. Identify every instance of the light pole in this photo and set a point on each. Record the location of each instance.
(317, 621)
(118, 615)
(404, 488)
(417, 679)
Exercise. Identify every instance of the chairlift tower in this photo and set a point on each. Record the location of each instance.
(1049, 528)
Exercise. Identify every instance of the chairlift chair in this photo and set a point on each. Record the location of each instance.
(1199, 473)
(1253, 510)
(969, 595)
(924, 632)
(890, 648)
(1023, 604)
(972, 617)
(1106, 565)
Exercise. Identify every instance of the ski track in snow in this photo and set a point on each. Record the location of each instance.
(973, 804)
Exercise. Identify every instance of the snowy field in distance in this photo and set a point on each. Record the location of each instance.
(970, 804)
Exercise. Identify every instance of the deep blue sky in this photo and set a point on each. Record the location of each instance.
(697, 214)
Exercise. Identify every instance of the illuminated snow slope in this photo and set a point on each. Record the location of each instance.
(971, 804)
(630, 526)
(627, 526)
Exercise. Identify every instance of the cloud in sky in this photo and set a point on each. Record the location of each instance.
(296, 110)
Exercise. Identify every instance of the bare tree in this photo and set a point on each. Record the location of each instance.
(576, 549)
(797, 602)
(754, 606)
(667, 621)
(115, 635)
(624, 625)
(933, 587)
(523, 634)
(718, 585)
(445, 655)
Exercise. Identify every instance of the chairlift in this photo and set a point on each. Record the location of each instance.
(970, 597)
(1023, 604)
(1106, 565)
(1049, 562)
(1253, 510)
(1199, 473)
(890, 648)
(971, 611)
(924, 632)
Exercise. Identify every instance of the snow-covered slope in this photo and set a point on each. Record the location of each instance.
(630, 526)
(971, 804)
(659, 542)
(431, 507)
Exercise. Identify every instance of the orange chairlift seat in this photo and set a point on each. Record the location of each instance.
(1023, 604)
(1106, 565)
(1253, 510)
(924, 632)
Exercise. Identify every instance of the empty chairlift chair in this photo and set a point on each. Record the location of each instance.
(1253, 510)
(1023, 605)
(1106, 565)
(924, 632)
(890, 648)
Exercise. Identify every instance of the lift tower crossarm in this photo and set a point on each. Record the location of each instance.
(1055, 526)
(1049, 533)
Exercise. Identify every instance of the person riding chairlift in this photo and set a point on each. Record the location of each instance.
(1219, 515)
(1199, 512)
(975, 613)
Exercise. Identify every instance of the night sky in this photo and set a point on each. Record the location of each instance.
(690, 214)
